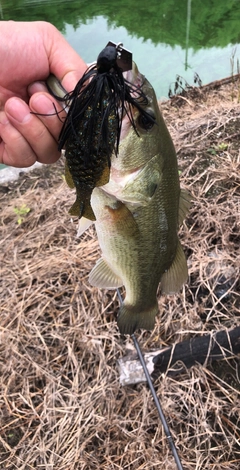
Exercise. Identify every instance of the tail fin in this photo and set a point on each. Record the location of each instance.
(130, 319)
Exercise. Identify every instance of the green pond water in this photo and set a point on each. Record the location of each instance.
(167, 37)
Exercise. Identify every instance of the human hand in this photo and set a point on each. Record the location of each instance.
(29, 53)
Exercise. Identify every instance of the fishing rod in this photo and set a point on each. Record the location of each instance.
(155, 397)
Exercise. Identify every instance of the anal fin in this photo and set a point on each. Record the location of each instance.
(173, 279)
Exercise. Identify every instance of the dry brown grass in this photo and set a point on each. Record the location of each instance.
(61, 405)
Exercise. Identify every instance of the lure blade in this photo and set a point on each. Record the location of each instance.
(124, 59)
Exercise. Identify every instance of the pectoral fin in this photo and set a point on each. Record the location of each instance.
(173, 279)
(103, 277)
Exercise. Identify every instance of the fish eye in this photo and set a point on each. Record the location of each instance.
(147, 120)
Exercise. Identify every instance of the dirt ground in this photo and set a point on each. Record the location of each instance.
(61, 404)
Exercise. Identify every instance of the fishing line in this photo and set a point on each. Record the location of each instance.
(155, 397)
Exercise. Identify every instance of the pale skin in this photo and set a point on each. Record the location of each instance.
(29, 52)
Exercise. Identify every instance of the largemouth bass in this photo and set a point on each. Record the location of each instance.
(138, 212)
(137, 217)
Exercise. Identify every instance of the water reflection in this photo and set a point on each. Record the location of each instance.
(166, 38)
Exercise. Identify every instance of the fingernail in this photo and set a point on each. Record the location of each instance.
(18, 110)
(42, 104)
(36, 87)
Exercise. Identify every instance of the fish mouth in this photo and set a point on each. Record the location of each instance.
(127, 115)
(134, 77)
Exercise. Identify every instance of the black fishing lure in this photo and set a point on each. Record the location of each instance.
(91, 131)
